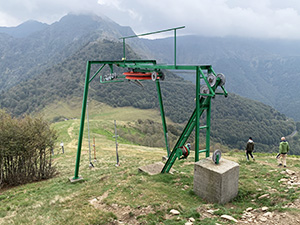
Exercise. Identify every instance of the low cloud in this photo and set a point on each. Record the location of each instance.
(255, 18)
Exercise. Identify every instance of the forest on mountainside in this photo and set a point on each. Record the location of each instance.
(234, 119)
(264, 70)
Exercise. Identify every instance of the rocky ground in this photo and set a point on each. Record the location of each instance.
(127, 215)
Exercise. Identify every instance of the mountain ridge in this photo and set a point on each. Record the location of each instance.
(60, 75)
(25, 29)
(22, 57)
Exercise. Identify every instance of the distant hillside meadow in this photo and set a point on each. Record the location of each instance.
(48, 65)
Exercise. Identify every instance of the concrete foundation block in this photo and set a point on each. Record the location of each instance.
(216, 183)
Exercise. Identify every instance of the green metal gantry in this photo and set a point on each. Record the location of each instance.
(204, 93)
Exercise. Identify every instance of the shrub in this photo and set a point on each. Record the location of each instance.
(25, 149)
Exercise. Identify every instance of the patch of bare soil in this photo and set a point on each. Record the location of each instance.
(125, 214)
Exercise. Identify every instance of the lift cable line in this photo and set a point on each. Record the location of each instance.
(207, 83)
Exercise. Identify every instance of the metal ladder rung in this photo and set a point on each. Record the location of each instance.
(203, 150)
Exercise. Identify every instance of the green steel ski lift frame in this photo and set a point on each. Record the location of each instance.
(204, 92)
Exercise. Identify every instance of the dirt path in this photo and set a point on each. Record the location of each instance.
(70, 130)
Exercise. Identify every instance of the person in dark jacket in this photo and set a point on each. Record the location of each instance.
(250, 149)
(283, 150)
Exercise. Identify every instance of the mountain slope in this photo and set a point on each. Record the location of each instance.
(57, 73)
(264, 70)
(24, 58)
(234, 118)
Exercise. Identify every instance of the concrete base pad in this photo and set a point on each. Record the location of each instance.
(216, 183)
(153, 169)
(72, 180)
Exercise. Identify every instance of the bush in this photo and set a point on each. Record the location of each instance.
(25, 149)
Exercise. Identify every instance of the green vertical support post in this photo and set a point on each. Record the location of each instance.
(197, 129)
(124, 53)
(84, 101)
(208, 127)
(162, 113)
(175, 48)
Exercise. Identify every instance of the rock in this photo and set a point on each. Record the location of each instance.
(290, 172)
(191, 219)
(93, 201)
(174, 212)
(263, 219)
(210, 211)
(188, 223)
(265, 208)
(114, 205)
(283, 180)
(230, 218)
(268, 214)
(249, 209)
(263, 196)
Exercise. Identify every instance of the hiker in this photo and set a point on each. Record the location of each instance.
(283, 150)
(62, 147)
(249, 149)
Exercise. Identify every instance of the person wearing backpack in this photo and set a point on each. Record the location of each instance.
(250, 149)
(283, 150)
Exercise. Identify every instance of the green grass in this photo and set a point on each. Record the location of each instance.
(129, 195)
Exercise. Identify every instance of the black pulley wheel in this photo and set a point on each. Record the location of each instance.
(216, 154)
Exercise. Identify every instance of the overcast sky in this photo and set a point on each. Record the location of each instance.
(248, 18)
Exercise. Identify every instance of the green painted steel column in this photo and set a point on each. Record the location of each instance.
(197, 130)
(208, 127)
(162, 113)
(175, 47)
(84, 101)
(124, 54)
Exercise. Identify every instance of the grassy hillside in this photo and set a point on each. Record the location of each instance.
(114, 195)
